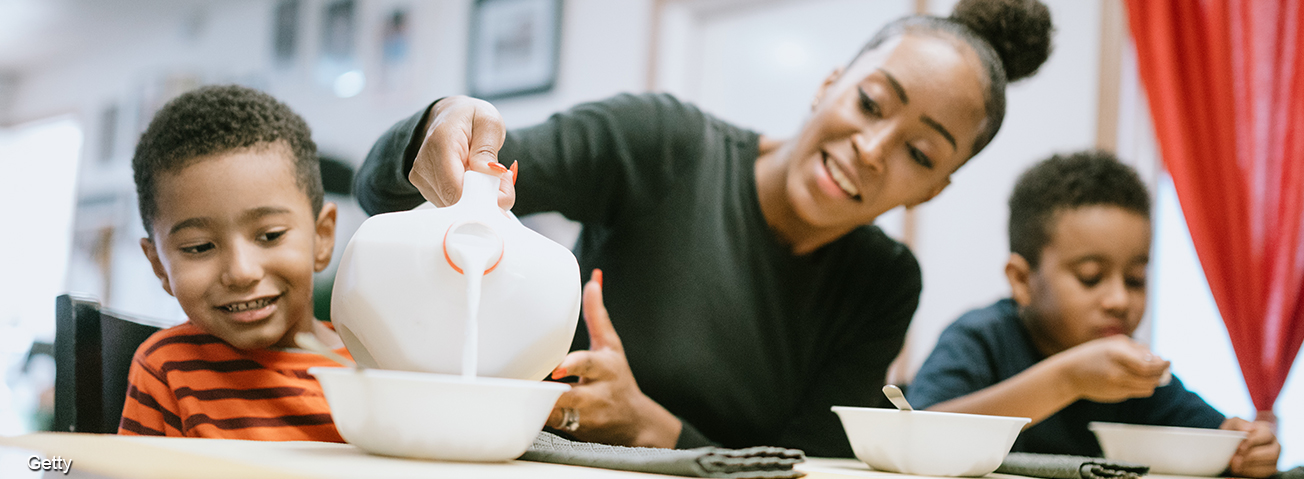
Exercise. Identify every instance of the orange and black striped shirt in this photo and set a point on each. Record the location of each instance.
(186, 382)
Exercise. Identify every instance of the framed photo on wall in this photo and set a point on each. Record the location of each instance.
(514, 47)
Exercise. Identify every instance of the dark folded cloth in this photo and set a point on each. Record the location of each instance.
(1296, 473)
(1056, 466)
(759, 462)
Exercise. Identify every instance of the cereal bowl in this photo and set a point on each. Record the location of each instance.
(1182, 451)
(929, 443)
(437, 416)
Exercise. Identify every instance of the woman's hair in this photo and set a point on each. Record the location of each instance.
(1066, 182)
(1010, 37)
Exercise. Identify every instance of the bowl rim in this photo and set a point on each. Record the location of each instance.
(1190, 431)
(437, 378)
(879, 410)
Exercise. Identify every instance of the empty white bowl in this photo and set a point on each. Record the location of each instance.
(1183, 451)
(437, 416)
(929, 443)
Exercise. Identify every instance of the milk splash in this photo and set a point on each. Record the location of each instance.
(475, 249)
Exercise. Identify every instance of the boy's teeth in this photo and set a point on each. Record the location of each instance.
(841, 179)
(238, 307)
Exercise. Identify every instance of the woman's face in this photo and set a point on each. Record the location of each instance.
(887, 131)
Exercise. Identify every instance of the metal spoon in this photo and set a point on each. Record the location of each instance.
(898, 399)
(308, 341)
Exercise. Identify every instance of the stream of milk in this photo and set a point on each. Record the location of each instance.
(474, 254)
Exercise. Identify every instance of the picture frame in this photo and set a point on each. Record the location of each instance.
(514, 47)
(338, 31)
(396, 51)
(285, 32)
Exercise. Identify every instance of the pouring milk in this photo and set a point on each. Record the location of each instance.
(473, 248)
(466, 289)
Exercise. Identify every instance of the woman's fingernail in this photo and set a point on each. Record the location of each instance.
(497, 167)
(597, 276)
(514, 165)
(559, 373)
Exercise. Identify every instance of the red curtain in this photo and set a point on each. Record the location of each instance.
(1225, 80)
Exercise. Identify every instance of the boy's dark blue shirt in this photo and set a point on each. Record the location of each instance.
(989, 345)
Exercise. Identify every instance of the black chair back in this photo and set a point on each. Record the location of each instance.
(93, 348)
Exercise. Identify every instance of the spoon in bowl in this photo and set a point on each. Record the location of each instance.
(898, 399)
(310, 342)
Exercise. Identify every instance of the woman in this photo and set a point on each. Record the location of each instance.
(747, 283)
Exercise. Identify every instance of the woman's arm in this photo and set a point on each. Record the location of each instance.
(382, 184)
(593, 163)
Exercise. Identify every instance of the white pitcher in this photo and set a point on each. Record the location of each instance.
(400, 295)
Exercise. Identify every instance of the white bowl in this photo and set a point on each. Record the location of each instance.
(1184, 451)
(437, 416)
(929, 443)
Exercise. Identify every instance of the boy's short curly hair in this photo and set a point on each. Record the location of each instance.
(1065, 182)
(217, 119)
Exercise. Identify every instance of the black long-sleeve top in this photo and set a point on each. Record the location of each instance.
(747, 343)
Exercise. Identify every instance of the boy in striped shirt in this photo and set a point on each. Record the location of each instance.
(231, 197)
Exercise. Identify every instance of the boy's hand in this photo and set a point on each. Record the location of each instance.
(1258, 453)
(611, 409)
(1113, 369)
(462, 134)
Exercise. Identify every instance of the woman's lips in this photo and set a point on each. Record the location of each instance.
(833, 181)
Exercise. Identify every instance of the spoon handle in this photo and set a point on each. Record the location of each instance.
(307, 341)
(898, 399)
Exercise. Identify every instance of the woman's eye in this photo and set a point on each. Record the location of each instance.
(868, 104)
(197, 249)
(920, 158)
(271, 235)
(1135, 283)
(1089, 281)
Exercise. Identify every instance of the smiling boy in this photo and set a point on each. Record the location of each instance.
(231, 198)
(1060, 351)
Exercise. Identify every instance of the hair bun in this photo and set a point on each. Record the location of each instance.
(1019, 31)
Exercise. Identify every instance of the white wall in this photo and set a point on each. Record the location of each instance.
(604, 51)
(40, 161)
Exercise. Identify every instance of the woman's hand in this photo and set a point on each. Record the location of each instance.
(1258, 453)
(462, 134)
(610, 407)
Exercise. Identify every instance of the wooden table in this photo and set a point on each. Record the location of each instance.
(110, 456)
(122, 457)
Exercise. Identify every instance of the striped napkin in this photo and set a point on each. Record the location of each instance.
(758, 462)
(1055, 466)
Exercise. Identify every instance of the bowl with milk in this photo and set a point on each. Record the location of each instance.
(456, 313)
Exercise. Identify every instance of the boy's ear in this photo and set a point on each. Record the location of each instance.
(1019, 273)
(148, 247)
(824, 87)
(325, 244)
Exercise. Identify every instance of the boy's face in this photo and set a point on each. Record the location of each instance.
(235, 241)
(1091, 282)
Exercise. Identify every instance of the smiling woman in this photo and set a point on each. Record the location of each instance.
(749, 291)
